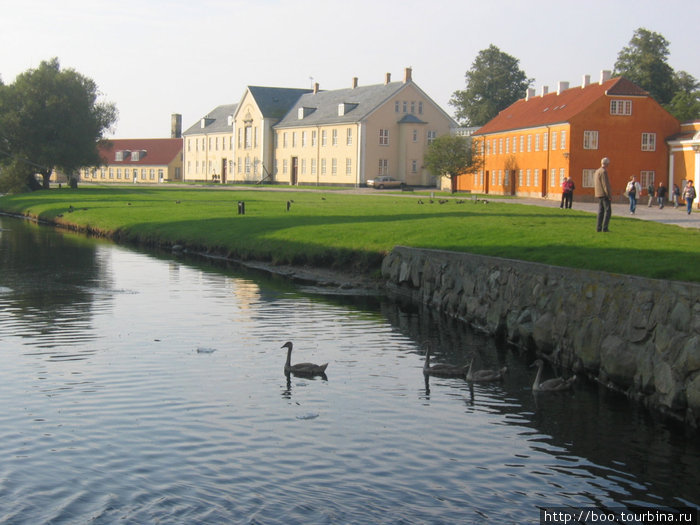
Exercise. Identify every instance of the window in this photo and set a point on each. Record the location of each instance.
(334, 137)
(405, 106)
(562, 174)
(111, 173)
(648, 141)
(313, 137)
(285, 165)
(348, 137)
(247, 165)
(554, 140)
(249, 137)
(414, 166)
(420, 108)
(303, 166)
(563, 139)
(119, 173)
(520, 177)
(413, 108)
(383, 167)
(507, 145)
(536, 182)
(323, 166)
(515, 144)
(324, 137)
(587, 180)
(537, 142)
(152, 174)
(500, 146)
(348, 166)
(646, 178)
(334, 166)
(313, 166)
(621, 107)
(294, 139)
(527, 178)
(529, 143)
(522, 143)
(303, 139)
(383, 137)
(432, 135)
(396, 106)
(545, 141)
(590, 140)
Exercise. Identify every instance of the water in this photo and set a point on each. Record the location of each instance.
(137, 388)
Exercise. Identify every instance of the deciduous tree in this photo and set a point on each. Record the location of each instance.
(451, 155)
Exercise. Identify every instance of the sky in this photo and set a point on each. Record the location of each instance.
(153, 58)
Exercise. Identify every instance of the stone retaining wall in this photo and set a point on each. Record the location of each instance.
(638, 335)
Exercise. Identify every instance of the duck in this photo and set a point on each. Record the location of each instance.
(442, 370)
(484, 376)
(303, 369)
(555, 384)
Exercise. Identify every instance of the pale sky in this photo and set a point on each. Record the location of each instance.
(153, 58)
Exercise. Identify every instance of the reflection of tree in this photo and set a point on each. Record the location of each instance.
(47, 278)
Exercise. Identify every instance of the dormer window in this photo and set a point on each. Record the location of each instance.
(345, 108)
(304, 112)
(138, 155)
(122, 155)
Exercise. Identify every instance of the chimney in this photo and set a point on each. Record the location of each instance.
(315, 87)
(605, 75)
(175, 126)
(545, 90)
(562, 86)
(586, 81)
(529, 93)
(387, 78)
(407, 75)
(354, 82)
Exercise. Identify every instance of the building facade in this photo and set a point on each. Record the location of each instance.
(531, 146)
(684, 157)
(348, 136)
(208, 150)
(150, 161)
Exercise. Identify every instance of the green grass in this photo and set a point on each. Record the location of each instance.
(355, 231)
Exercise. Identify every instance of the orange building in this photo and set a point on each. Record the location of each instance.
(531, 146)
(684, 157)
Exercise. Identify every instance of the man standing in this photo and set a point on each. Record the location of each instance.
(661, 195)
(603, 193)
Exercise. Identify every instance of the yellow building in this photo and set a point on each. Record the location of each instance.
(684, 157)
(208, 148)
(258, 111)
(150, 161)
(348, 136)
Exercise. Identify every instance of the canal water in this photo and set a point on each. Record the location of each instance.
(138, 388)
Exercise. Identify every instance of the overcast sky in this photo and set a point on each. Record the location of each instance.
(153, 58)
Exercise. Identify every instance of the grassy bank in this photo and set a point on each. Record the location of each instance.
(355, 231)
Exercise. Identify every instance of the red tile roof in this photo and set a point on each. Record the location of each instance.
(555, 108)
(158, 151)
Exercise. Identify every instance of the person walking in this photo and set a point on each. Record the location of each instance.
(570, 192)
(661, 195)
(632, 190)
(603, 193)
(689, 195)
(650, 190)
(676, 195)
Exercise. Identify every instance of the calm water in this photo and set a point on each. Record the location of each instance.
(110, 414)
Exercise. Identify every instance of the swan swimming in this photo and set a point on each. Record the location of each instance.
(442, 370)
(302, 369)
(484, 376)
(550, 385)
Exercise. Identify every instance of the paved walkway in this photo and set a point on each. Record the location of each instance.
(667, 215)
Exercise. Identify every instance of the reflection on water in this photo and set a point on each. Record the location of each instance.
(140, 389)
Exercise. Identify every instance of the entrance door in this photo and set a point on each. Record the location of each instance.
(224, 170)
(295, 167)
(544, 182)
(486, 182)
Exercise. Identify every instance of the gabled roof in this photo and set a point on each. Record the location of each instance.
(216, 121)
(158, 151)
(274, 102)
(359, 103)
(556, 108)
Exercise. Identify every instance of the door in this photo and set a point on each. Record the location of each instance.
(224, 170)
(544, 182)
(295, 167)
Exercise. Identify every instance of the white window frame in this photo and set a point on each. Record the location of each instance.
(648, 141)
(647, 177)
(383, 137)
(590, 139)
(621, 107)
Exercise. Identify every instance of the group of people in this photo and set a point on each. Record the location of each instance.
(633, 190)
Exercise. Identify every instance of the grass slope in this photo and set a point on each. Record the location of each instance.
(356, 231)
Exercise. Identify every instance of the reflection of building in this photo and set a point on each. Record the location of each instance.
(208, 146)
(348, 136)
(684, 157)
(529, 147)
(139, 160)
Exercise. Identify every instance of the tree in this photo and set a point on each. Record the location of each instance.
(494, 82)
(644, 62)
(51, 119)
(685, 104)
(451, 155)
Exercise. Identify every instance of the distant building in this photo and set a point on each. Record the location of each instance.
(208, 150)
(529, 147)
(137, 161)
(684, 157)
(348, 136)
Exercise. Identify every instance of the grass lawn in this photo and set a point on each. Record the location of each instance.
(355, 231)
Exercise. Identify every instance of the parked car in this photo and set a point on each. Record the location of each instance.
(384, 182)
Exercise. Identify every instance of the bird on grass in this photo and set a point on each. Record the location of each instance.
(442, 370)
(302, 369)
(484, 376)
(555, 384)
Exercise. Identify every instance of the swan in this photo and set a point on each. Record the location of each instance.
(304, 369)
(550, 385)
(442, 370)
(484, 376)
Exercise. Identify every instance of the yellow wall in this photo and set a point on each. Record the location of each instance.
(208, 156)
(252, 158)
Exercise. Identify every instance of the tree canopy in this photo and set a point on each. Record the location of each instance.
(645, 62)
(451, 155)
(493, 83)
(51, 119)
